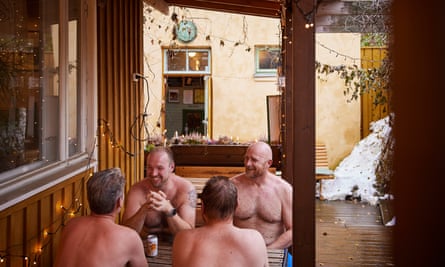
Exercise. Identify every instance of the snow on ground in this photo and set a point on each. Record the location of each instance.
(355, 175)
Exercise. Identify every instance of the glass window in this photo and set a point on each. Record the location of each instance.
(176, 60)
(73, 79)
(187, 61)
(267, 60)
(39, 83)
(198, 61)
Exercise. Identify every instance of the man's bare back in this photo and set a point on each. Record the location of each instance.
(219, 242)
(98, 241)
(220, 245)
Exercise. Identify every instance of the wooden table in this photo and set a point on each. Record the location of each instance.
(164, 258)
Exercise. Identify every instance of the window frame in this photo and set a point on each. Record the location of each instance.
(187, 52)
(262, 72)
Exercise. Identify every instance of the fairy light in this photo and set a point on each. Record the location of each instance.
(105, 131)
(71, 210)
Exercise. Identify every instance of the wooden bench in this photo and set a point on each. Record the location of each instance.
(322, 170)
(196, 173)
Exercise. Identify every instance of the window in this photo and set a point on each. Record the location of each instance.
(187, 61)
(267, 60)
(40, 84)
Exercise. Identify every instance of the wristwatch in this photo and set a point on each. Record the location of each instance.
(172, 213)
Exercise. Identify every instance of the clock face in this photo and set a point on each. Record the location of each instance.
(186, 31)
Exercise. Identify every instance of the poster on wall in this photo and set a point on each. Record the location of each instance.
(188, 97)
(198, 97)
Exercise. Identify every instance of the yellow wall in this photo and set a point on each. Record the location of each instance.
(337, 121)
(239, 99)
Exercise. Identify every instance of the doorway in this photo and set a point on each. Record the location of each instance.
(186, 108)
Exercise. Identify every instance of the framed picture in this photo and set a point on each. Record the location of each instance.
(198, 96)
(173, 96)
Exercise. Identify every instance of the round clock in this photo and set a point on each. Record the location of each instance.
(186, 31)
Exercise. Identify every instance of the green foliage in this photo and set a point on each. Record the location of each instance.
(374, 39)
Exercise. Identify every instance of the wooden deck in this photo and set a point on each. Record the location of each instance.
(351, 234)
(348, 234)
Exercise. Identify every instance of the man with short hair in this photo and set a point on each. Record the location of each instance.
(96, 239)
(219, 242)
(163, 203)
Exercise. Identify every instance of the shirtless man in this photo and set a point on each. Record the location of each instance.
(264, 199)
(219, 242)
(96, 240)
(163, 202)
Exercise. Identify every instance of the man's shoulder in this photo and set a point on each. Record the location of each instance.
(279, 180)
(125, 232)
(238, 178)
(182, 182)
(74, 222)
(138, 187)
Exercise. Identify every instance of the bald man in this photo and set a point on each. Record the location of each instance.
(264, 199)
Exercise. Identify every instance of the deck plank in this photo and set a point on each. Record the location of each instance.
(351, 233)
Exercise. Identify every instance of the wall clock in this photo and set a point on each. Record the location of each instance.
(186, 31)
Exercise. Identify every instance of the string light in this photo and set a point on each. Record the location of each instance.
(73, 209)
(106, 131)
(308, 16)
(337, 54)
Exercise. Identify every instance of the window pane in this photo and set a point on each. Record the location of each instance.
(20, 82)
(198, 61)
(268, 59)
(50, 80)
(176, 60)
(73, 76)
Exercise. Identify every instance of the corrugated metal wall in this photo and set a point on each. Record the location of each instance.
(120, 54)
(372, 58)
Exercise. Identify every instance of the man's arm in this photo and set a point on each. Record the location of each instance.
(285, 239)
(135, 212)
(136, 251)
(186, 214)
